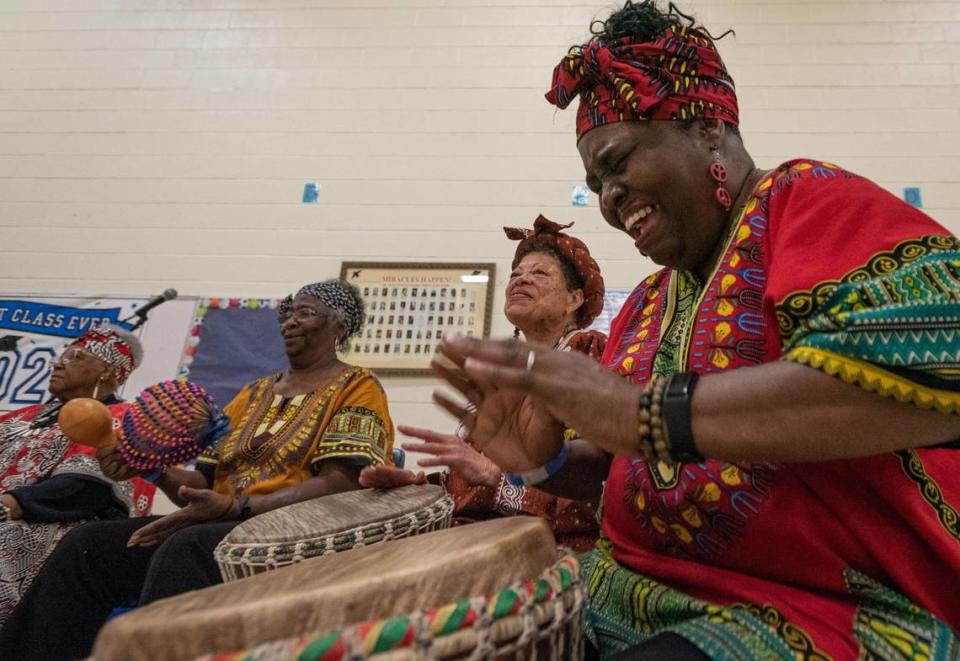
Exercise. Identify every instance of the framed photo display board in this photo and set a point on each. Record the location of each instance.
(410, 306)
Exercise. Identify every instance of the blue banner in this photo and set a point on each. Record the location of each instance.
(33, 332)
(53, 320)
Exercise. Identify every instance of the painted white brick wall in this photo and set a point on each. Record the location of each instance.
(155, 143)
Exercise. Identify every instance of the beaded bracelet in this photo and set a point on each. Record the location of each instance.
(645, 422)
(664, 431)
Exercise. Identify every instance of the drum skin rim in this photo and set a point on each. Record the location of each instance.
(247, 558)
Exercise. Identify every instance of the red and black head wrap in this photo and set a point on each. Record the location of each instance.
(679, 76)
(574, 251)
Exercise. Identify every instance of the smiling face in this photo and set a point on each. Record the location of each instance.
(653, 181)
(537, 294)
(76, 373)
(310, 330)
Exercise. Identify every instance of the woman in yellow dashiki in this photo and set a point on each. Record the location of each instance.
(303, 433)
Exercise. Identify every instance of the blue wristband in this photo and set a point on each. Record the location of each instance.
(541, 474)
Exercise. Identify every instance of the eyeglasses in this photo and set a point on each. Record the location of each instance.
(300, 314)
(74, 355)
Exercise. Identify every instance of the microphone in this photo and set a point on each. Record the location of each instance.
(141, 312)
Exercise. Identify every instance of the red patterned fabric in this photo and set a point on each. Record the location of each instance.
(574, 251)
(30, 454)
(591, 343)
(111, 349)
(678, 76)
(787, 535)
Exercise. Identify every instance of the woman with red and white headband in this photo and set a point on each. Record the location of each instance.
(50, 485)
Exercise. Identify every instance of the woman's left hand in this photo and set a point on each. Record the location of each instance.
(203, 505)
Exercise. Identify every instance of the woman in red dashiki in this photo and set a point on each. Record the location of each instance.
(783, 418)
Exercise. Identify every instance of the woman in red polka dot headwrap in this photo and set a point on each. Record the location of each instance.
(554, 293)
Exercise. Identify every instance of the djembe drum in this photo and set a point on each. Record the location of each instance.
(334, 523)
(486, 590)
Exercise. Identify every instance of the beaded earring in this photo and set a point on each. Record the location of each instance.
(719, 174)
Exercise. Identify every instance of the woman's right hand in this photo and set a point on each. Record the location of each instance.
(389, 477)
(115, 466)
(449, 450)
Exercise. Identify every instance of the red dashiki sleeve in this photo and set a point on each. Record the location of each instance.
(867, 292)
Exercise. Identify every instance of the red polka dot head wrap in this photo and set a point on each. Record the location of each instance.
(574, 251)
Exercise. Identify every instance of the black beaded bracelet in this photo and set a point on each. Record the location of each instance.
(677, 418)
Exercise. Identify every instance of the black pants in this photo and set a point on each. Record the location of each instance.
(662, 647)
(91, 572)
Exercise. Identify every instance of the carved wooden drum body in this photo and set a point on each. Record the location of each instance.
(489, 590)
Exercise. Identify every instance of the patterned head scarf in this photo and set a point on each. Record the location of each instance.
(677, 76)
(571, 249)
(109, 346)
(344, 300)
(284, 308)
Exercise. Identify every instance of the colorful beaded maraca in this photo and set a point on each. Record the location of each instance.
(170, 422)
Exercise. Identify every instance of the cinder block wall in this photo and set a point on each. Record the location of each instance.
(155, 143)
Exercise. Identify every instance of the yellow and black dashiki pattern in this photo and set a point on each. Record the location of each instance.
(279, 442)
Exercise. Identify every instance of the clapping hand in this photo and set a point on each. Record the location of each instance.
(521, 392)
(507, 424)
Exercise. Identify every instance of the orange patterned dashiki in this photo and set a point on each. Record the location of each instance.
(279, 442)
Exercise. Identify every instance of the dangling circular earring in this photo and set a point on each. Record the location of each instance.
(719, 174)
(516, 333)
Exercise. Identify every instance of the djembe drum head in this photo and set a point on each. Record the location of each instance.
(331, 524)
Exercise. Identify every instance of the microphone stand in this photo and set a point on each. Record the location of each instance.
(141, 319)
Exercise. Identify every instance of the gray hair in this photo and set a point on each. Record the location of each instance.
(283, 309)
(131, 340)
(346, 303)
